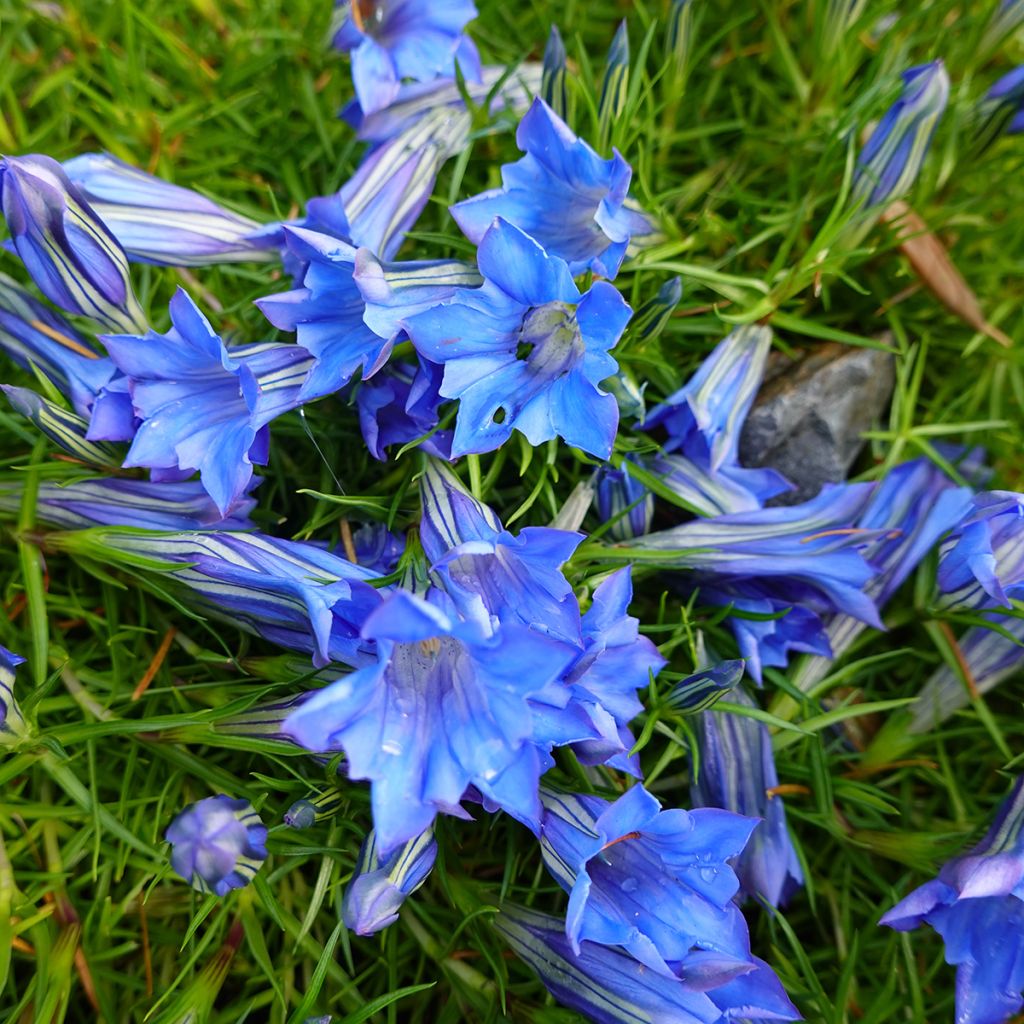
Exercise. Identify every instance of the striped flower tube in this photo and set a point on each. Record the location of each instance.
(308, 811)
(157, 222)
(218, 844)
(615, 83)
(552, 85)
(704, 689)
(998, 110)
(610, 987)
(142, 504)
(70, 253)
(33, 336)
(291, 593)
(380, 887)
(65, 428)
(891, 159)
(12, 723)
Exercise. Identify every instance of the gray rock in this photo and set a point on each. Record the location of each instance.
(810, 413)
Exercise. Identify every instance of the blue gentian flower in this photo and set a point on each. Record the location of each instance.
(379, 886)
(891, 159)
(703, 420)
(218, 844)
(62, 426)
(705, 688)
(394, 40)
(71, 255)
(1006, 19)
(767, 627)
(982, 562)
(615, 662)
(12, 723)
(443, 708)
(610, 987)
(377, 548)
(399, 405)
(563, 195)
(292, 593)
(34, 336)
(622, 498)
(977, 905)
(348, 313)
(525, 350)
(615, 83)
(517, 578)
(805, 553)
(911, 508)
(998, 110)
(143, 504)
(990, 657)
(552, 86)
(203, 408)
(157, 222)
(737, 773)
(655, 882)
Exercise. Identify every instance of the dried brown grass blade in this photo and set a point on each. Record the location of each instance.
(936, 270)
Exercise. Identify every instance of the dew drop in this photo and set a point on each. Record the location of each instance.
(391, 747)
(629, 885)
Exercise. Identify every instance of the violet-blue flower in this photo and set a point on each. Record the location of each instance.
(348, 313)
(12, 723)
(399, 405)
(34, 336)
(443, 708)
(982, 562)
(380, 886)
(610, 987)
(977, 905)
(157, 222)
(526, 351)
(292, 593)
(623, 502)
(377, 548)
(562, 194)
(203, 408)
(218, 844)
(737, 773)
(72, 256)
(394, 40)
(654, 882)
(517, 578)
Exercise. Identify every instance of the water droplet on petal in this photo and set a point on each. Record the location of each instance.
(391, 747)
(709, 874)
(629, 885)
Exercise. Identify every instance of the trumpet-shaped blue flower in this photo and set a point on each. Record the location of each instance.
(218, 844)
(377, 548)
(977, 905)
(394, 40)
(202, 408)
(525, 350)
(33, 335)
(563, 195)
(767, 628)
(990, 656)
(12, 724)
(517, 578)
(909, 511)
(998, 110)
(705, 688)
(292, 593)
(71, 255)
(348, 313)
(610, 987)
(157, 222)
(703, 420)
(891, 159)
(399, 405)
(805, 553)
(982, 563)
(622, 498)
(379, 886)
(737, 773)
(143, 504)
(655, 882)
(443, 708)
(616, 661)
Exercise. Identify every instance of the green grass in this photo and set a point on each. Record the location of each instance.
(744, 165)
